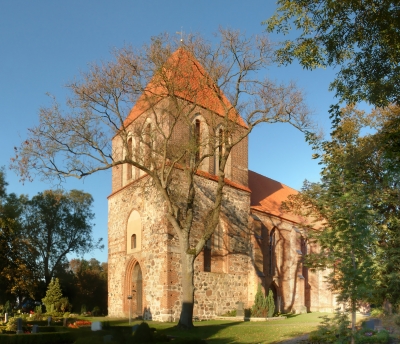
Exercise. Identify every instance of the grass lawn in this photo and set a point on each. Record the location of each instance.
(224, 332)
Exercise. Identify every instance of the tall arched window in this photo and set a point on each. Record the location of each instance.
(218, 238)
(207, 256)
(303, 248)
(271, 252)
(197, 136)
(200, 139)
(134, 232)
(130, 155)
(147, 145)
(221, 137)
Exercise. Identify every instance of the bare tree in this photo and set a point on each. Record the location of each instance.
(168, 81)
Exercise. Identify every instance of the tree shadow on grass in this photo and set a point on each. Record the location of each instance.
(213, 332)
(203, 330)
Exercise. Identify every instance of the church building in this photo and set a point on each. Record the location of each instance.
(255, 243)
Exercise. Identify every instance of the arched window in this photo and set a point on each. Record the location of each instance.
(197, 135)
(303, 248)
(218, 238)
(221, 137)
(134, 233)
(207, 256)
(271, 251)
(147, 145)
(133, 241)
(200, 138)
(130, 155)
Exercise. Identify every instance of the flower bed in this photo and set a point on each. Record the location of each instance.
(81, 323)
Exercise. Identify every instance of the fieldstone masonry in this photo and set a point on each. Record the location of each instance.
(254, 243)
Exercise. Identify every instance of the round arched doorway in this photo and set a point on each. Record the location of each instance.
(277, 298)
(134, 289)
(137, 287)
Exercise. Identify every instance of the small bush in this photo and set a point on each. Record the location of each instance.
(369, 336)
(96, 311)
(270, 304)
(397, 320)
(105, 325)
(332, 330)
(377, 312)
(231, 313)
(260, 306)
(143, 334)
(37, 338)
(12, 324)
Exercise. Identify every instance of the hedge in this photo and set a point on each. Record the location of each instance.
(37, 338)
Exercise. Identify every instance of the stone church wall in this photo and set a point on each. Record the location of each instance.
(216, 292)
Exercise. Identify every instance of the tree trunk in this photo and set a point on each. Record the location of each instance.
(186, 317)
(353, 320)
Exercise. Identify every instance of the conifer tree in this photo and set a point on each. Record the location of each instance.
(270, 303)
(53, 295)
(259, 308)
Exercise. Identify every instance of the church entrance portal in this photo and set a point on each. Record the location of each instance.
(137, 287)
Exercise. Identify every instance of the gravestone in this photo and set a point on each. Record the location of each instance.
(369, 324)
(19, 326)
(35, 329)
(96, 326)
(240, 310)
(49, 321)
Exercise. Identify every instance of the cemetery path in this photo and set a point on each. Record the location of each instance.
(297, 340)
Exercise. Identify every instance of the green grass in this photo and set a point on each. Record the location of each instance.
(226, 332)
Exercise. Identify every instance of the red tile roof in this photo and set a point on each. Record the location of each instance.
(189, 82)
(267, 196)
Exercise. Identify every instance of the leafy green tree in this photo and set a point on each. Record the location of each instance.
(53, 296)
(57, 223)
(360, 38)
(341, 205)
(382, 175)
(88, 285)
(18, 272)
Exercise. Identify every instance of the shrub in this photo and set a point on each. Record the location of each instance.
(270, 304)
(12, 324)
(63, 305)
(369, 336)
(377, 312)
(105, 325)
(260, 307)
(143, 334)
(332, 330)
(231, 313)
(397, 320)
(37, 338)
(83, 309)
(7, 307)
(54, 301)
(96, 311)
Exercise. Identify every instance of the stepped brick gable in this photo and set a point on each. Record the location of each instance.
(255, 241)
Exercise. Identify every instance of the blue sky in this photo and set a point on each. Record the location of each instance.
(46, 43)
